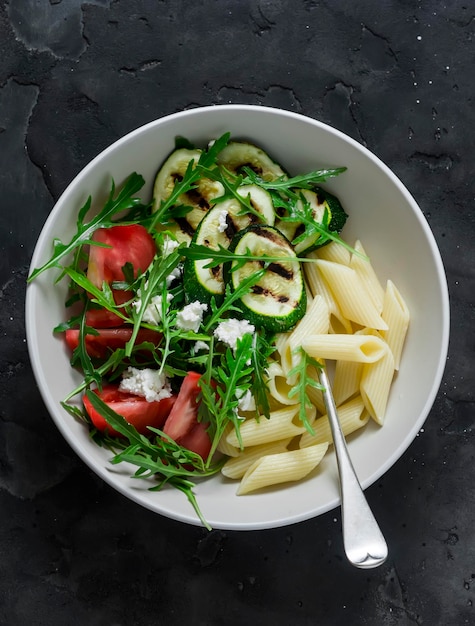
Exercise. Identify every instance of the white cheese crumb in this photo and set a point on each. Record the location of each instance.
(231, 330)
(153, 312)
(201, 345)
(191, 316)
(222, 223)
(246, 401)
(147, 383)
(176, 273)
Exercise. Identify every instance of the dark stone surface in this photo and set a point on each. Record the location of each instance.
(74, 77)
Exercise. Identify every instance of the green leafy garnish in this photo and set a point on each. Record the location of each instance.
(125, 199)
(304, 380)
(150, 285)
(223, 384)
(229, 375)
(161, 458)
(198, 252)
(168, 208)
(286, 185)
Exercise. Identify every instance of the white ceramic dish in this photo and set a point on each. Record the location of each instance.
(382, 214)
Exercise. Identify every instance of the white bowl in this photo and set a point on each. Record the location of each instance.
(382, 214)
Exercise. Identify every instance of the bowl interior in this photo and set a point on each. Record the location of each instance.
(381, 213)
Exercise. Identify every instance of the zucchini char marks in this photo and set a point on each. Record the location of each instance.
(218, 228)
(197, 200)
(278, 300)
(237, 155)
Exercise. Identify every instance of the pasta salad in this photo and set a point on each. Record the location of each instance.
(199, 320)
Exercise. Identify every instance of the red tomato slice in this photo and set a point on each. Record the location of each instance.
(129, 244)
(102, 318)
(110, 339)
(134, 409)
(198, 440)
(182, 424)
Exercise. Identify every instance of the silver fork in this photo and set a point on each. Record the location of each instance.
(364, 544)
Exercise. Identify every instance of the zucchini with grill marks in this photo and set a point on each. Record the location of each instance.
(325, 209)
(237, 155)
(199, 199)
(218, 228)
(278, 300)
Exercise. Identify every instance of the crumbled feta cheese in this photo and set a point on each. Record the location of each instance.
(176, 273)
(201, 345)
(148, 383)
(222, 221)
(246, 401)
(191, 316)
(231, 330)
(169, 245)
(153, 312)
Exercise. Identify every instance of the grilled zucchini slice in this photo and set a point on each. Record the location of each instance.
(326, 210)
(218, 228)
(237, 154)
(278, 300)
(199, 199)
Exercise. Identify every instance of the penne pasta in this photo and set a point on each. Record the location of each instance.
(375, 384)
(346, 381)
(238, 465)
(350, 319)
(396, 315)
(358, 348)
(315, 321)
(278, 386)
(313, 277)
(274, 469)
(280, 425)
(224, 447)
(335, 252)
(368, 276)
(351, 295)
(352, 416)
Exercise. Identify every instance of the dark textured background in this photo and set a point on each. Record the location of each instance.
(398, 76)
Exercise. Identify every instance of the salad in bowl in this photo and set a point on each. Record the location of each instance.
(194, 304)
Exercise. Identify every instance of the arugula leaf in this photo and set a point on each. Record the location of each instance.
(172, 207)
(103, 297)
(116, 203)
(232, 296)
(151, 284)
(162, 457)
(197, 252)
(262, 348)
(231, 185)
(304, 380)
(224, 383)
(283, 184)
(81, 353)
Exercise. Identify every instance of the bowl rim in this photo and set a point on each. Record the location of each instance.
(440, 272)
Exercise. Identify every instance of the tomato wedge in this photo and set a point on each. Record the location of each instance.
(198, 440)
(110, 339)
(102, 318)
(182, 424)
(134, 409)
(128, 244)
